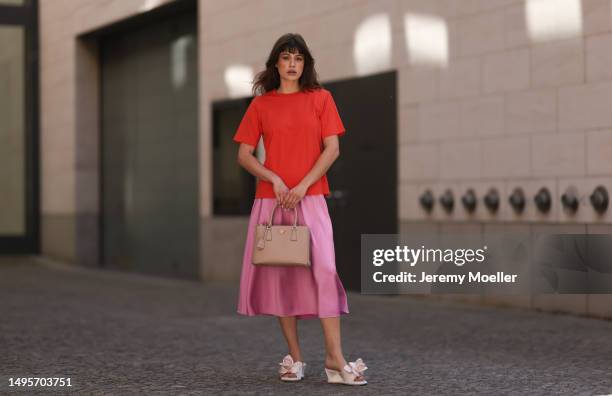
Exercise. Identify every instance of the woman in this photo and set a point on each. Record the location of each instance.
(300, 125)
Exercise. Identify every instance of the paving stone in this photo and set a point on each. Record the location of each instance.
(121, 333)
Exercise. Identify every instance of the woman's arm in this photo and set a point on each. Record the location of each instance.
(247, 160)
(325, 160)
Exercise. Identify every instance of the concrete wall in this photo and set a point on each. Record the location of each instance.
(511, 104)
(69, 123)
(505, 93)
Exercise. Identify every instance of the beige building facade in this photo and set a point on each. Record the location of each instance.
(490, 93)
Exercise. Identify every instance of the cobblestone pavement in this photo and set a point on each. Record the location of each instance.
(121, 333)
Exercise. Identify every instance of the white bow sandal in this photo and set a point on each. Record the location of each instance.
(347, 376)
(290, 370)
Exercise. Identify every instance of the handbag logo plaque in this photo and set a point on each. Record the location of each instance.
(287, 245)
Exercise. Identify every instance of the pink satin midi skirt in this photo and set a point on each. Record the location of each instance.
(304, 292)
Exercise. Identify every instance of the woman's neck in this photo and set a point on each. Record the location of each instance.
(288, 87)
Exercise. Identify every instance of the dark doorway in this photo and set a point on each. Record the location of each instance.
(19, 129)
(149, 140)
(363, 180)
(233, 186)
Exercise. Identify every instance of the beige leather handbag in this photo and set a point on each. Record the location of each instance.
(281, 244)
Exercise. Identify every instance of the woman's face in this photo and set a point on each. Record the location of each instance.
(290, 66)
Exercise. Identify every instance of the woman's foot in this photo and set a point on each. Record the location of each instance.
(291, 370)
(340, 372)
(334, 363)
(339, 364)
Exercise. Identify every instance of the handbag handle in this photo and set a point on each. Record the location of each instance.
(272, 215)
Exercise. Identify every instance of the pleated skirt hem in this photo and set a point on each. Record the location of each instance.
(298, 315)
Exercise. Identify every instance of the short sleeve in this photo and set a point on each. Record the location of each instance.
(331, 124)
(249, 130)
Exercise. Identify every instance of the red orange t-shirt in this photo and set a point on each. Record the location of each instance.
(293, 126)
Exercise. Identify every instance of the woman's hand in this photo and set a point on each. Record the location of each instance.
(295, 195)
(280, 189)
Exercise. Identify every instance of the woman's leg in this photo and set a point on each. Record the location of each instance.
(334, 358)
(289, 326)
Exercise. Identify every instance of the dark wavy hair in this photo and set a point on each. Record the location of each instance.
(269, 79)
